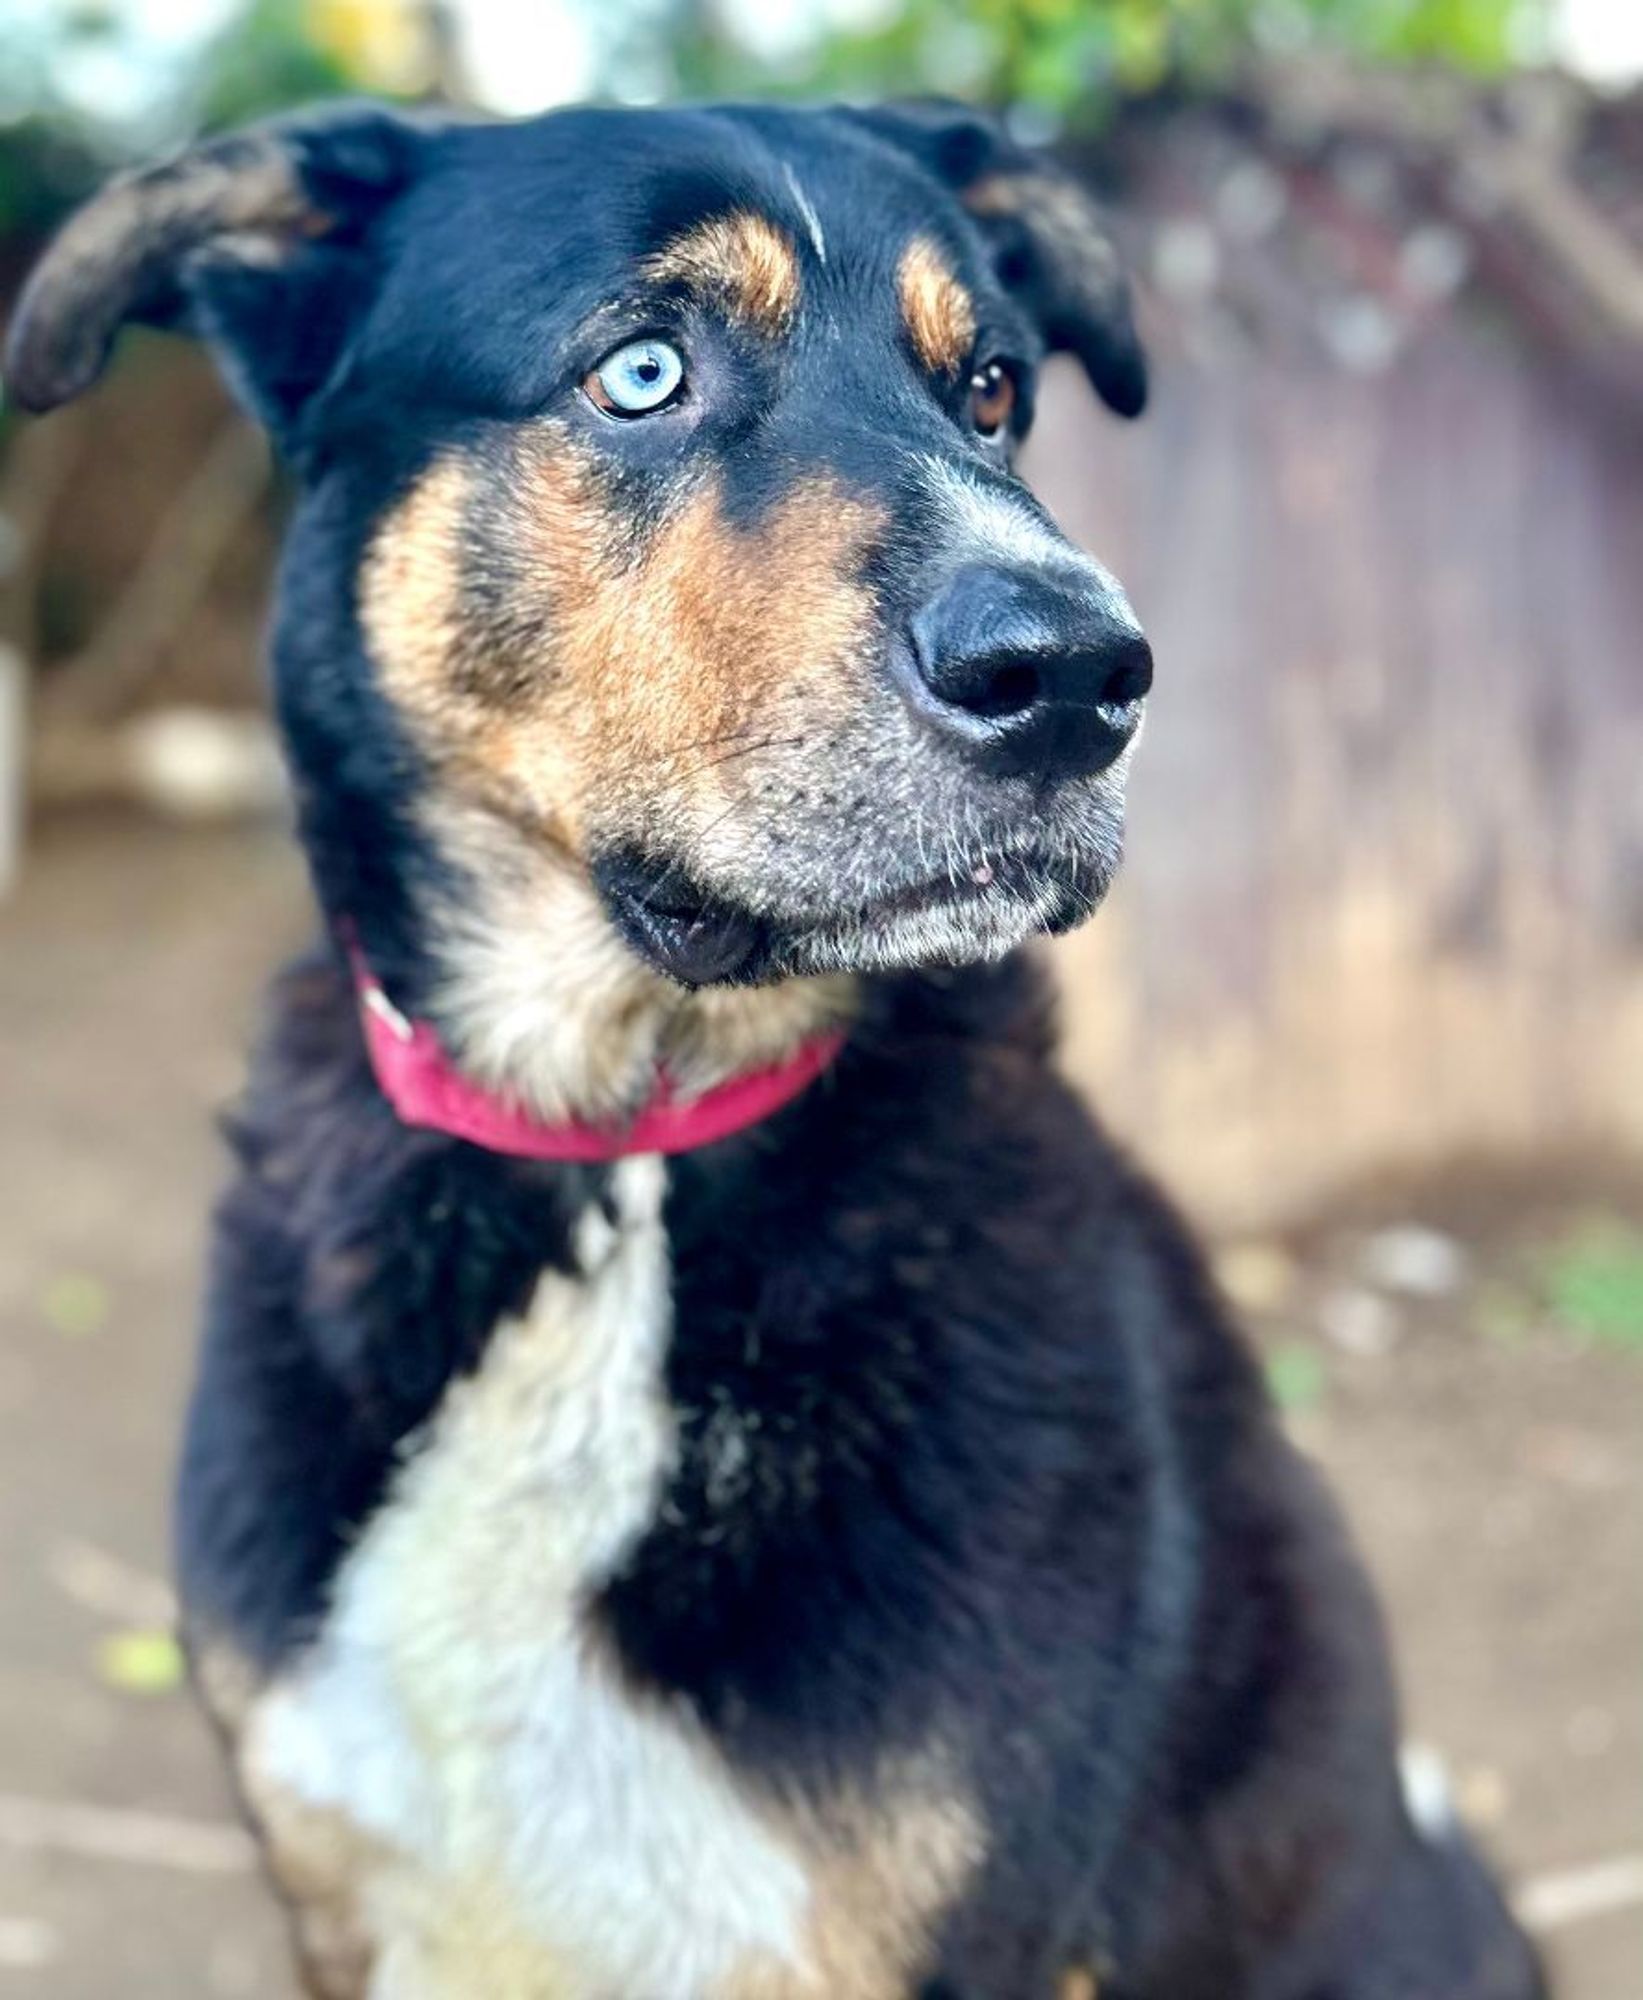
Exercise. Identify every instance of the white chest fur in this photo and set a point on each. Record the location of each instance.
(517, 1824)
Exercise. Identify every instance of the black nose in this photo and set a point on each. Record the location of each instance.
(1033, 674)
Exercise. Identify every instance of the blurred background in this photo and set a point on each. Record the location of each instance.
(1370, 996)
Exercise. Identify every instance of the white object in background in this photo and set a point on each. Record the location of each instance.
(202, 763)
(1417, 1262)
(12, 774)
(1600, 39)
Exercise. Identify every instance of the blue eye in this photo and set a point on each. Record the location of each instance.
(637, 379)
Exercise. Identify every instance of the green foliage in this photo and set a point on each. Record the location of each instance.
(1297, 1377)
(1060, 55)
(1586, 1283)
(265, 61)
(1473, 34)
(82, 93)
(43, 172)
(1060, 58)
(1593, 1284)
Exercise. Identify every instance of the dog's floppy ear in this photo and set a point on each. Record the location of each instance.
(256, 241)
(1050, 246)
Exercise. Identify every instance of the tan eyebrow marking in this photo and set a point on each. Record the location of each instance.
(741, 259)
(939, 313)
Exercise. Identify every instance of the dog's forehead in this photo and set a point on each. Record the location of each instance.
(650, 172)
(578, 207)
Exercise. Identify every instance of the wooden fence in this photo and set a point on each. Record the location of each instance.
(1384, 895)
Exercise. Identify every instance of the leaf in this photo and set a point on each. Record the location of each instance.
(141, 1661)
(1296, 1376)
(1593, 1283)
(76, 1304)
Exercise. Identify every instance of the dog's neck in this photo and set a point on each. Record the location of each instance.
(537, 998)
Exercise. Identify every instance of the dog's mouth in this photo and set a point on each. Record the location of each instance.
(972, 910)
(695, 937)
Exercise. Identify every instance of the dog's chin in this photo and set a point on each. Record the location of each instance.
(699, 936)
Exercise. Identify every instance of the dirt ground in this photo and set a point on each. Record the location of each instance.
(1471, 1386)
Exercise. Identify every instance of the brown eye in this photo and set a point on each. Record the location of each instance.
(992, 398)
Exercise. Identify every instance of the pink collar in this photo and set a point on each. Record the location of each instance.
(426, 1089)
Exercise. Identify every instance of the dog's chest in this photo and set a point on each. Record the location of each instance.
(455, 1785)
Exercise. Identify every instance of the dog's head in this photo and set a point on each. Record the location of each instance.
(656, 510)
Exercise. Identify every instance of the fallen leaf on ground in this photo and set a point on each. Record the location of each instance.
(1296, 1376)
(1594, 1284)
(141, 1662)
(76, 1304)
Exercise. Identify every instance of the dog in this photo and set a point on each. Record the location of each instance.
(709, 1478)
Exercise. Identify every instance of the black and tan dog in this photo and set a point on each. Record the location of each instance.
(651, 1531)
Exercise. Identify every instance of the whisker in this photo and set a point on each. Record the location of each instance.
(748, 750)
(739, 747)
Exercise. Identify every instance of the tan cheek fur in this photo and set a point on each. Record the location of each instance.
(452, 682)
(631, 686)
(673, 669)
(616, 690)
(938, 312)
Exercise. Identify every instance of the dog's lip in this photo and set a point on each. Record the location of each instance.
(698, 937)
(695, 938)
(1018, 873)
(1000, 875)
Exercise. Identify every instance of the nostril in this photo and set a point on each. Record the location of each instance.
(1129, 673)
(1010, 689)
(971, 676)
